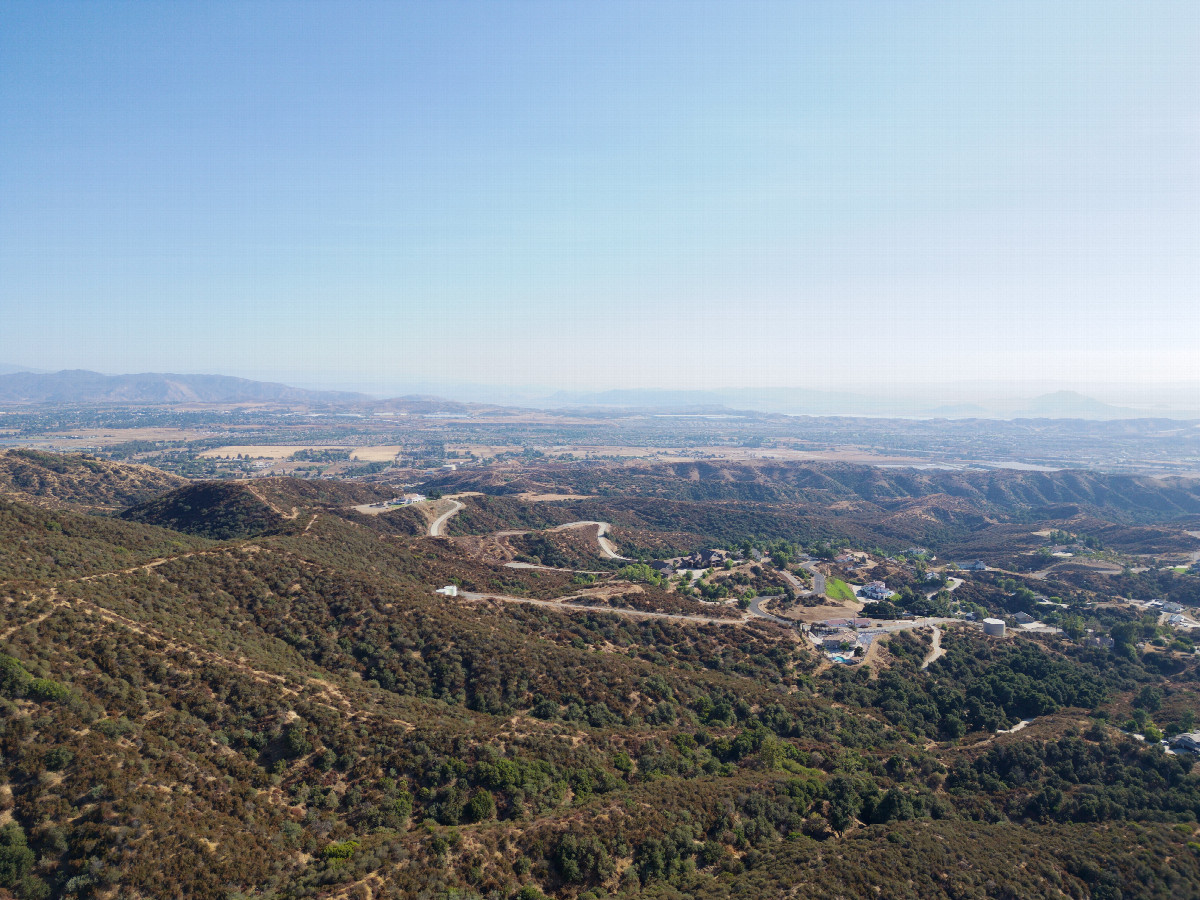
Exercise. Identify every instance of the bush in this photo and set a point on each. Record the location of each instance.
(340, 851)
(58, 759)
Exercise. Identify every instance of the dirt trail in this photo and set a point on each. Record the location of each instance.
(333, 696)
(936, 651)
(155, 563)
(295, 513)
(13, 629)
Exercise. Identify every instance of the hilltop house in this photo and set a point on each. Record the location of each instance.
(703, 559)
(876, 590)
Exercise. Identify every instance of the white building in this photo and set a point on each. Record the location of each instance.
(876, 590)
(993, 627)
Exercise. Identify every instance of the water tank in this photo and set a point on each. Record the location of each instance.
(993, 627)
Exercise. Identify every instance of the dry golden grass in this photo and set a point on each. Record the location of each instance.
(384, 453)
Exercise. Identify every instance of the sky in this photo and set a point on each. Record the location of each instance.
(588, 196)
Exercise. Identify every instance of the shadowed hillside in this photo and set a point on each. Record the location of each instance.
(235, 509)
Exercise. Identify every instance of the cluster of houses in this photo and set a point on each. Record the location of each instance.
(1166, 606)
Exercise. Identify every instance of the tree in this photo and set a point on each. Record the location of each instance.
(844, 803)
(481, 807)
(16, 859)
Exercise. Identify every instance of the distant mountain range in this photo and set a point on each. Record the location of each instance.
(798, 401)
(81, 386)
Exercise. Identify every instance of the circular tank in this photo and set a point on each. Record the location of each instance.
(993, 627)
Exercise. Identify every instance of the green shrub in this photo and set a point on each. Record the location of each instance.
(47, 691)
(13, 677)
(481, 807)
(340, 851)
(58, 759)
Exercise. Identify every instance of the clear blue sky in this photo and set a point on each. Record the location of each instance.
(603, 194)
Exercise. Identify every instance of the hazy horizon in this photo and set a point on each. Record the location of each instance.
(671, 196)
(989, 399)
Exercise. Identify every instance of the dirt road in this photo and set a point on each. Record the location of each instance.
(936, 651)
(567, 606)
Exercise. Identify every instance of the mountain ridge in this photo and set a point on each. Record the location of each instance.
(84, 386)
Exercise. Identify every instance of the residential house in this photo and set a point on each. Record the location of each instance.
(1189, 741)
(876, 590)
(703, 559)
(834, 642)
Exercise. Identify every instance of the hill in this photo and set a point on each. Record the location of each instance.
(81, 386)
(997, 492)
(237, 509)
(298, 715)
(58, 479)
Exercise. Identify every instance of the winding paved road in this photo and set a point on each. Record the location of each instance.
(435, 527)
(818, 587)
(606, 546)
(756, 608)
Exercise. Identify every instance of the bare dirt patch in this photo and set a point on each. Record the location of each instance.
(384, 453)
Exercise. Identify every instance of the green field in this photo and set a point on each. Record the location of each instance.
(836, 589)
